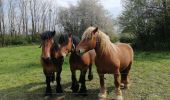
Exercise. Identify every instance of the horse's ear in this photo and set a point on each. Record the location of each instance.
(70, 34)
(95, 30)
(53, 33)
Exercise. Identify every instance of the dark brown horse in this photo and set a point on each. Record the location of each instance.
(50, 62)
(111, 58)
(84, 62)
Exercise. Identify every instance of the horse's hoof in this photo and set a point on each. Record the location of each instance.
(119, 97)
(48, 92)
(90, 77)
(102, 96)
(83, 92)
(46, 97)
(59, 89)
(75, 88)
(126, 86)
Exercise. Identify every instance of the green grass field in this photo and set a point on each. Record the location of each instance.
(21, 77)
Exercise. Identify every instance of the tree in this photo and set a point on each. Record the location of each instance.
(23, 5)
(11, 17)
(148, 20)
(76, 19)
(2, 23)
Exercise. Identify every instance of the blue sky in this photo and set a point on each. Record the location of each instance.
(113, 6)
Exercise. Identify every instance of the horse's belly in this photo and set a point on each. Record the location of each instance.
(105, 69)
(78, 66)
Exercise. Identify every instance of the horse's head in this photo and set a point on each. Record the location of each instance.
(46, 44)
(65, 45)
(88, 41)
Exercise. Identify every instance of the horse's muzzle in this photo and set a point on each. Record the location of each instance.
(47, 60)
(79, 52)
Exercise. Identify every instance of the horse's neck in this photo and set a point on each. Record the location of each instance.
(109, 51)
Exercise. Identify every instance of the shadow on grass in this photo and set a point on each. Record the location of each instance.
(35, 91)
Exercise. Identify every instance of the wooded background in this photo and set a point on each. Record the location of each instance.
(21, 21)
(146, 24)
(143, 23)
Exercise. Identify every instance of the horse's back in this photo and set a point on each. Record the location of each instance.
(125, 47)
(125, 53)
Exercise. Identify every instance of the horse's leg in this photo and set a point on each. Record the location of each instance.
(125, 77)
(75, 84)
(103, 92)
(117, 83)
(52, 76)
(83, 89)
(90, 76)
(58, 79)
(48, 91)
(80, 78)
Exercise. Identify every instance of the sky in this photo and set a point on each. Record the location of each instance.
(113, 6)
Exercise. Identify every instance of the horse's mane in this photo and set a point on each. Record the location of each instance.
(47, 35)
(105, 43)
(64, 39)
(76, 40)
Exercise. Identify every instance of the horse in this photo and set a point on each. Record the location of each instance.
(110, 58)
(67, 44)
(51, 63)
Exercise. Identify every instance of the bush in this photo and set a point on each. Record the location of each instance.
(19, 40)
(113, 37)
(127, 38)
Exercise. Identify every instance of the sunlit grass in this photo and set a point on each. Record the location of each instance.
(21, 76)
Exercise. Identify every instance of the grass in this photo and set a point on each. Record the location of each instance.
(21, 77)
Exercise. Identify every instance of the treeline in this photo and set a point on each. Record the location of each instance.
(146, 24)
(21, 21)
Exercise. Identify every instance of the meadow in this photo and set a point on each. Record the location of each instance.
(22, 78)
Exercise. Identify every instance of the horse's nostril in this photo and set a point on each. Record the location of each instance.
(49, 58)
(78, 51)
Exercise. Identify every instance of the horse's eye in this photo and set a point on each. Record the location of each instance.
(88, 38)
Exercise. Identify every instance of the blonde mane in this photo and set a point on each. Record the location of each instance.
(105, 44)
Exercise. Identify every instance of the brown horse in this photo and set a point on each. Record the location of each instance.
(50, 62)
(68, 44)
(111, 58)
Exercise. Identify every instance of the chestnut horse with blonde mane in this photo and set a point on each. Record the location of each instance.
(110, 58)
(67, 44)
